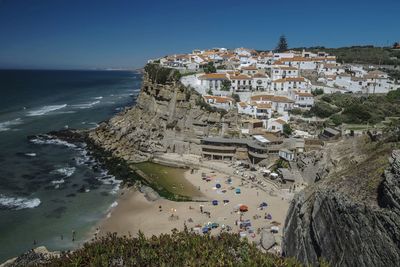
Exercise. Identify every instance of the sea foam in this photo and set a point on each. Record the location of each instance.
(7, 125)
(65, 171)
(86, 105)
(46, 140)
(18, 203)
(45, 110)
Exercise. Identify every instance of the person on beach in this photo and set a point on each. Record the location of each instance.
(73, 235)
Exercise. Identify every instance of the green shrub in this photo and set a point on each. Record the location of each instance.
(323, 110)
(317, 91)
(160, 74)
(296, 111)
(287, 130)
(326, 98)
(337, 119)
(357, 113)
(176, 249)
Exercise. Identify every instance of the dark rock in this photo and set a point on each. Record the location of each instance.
(323, 223)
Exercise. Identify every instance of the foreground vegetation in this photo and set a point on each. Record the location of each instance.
(176, 249)
(356, 109)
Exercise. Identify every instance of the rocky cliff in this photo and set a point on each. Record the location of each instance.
(168, 117)
(329, 221)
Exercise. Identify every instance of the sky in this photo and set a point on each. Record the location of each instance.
(85, 34)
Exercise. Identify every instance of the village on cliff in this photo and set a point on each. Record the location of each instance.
(266, 89)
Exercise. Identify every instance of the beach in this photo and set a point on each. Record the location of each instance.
(135, 213)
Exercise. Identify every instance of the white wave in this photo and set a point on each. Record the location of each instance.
(18, 203)
(7, 125)
(66, 171)
(30, 154)
(65, 112)
(86, 105)
(57, 182)
(98, 97)
(45, 109)
(83, 157)
(46, 140)
(108, 179)
(114, 204)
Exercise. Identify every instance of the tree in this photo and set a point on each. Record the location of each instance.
(236, 97)
(210, 92)
(287, 130)
(317, 91)
(282, 44)
(395, 45)
(210, 68)
(226, 85)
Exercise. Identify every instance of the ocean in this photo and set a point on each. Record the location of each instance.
(46, 189)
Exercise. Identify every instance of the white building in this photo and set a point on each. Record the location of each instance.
(302, 99)
(249, 70)
(275, 125)
(330, 69)
(280, 104)
(281, 72)
(287, 84)
(263, 111)
(241, 83)
(223, 102)
(245, 108)
(213, 81)
(260, 82)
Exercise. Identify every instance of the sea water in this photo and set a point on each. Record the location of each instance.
(46, 188)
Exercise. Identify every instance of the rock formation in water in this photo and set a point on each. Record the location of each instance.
(168, 117)
(327, 221)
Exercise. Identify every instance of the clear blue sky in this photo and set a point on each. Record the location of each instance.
(119, 33)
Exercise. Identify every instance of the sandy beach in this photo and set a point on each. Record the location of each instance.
(134, 212)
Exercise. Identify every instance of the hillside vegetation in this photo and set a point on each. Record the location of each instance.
(176, 249)
(357, 109)
(361, 54)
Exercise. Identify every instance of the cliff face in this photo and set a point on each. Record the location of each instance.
(327, 223)
(166, 118)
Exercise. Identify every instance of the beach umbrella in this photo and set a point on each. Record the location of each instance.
(205, 230)
(218, 185)
(215, 202)
(243, 208)
(274, 229)
(269, 216)
(263, 204)
(226, 200)
(237, 191)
